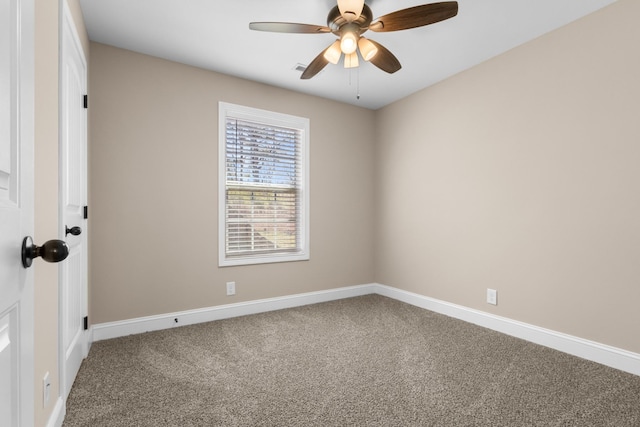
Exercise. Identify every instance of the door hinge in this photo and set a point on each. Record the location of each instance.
(86, 212)
(85, 322)
(86, 101)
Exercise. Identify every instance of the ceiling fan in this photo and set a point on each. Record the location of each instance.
(349, 20)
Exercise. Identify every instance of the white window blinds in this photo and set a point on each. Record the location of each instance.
(264, 186)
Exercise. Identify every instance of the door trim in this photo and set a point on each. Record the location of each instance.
(68, 28)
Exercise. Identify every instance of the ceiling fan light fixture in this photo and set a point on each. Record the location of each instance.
(350, 9)
(348, 43)
(333, 53)
(351, 60)
(349, 19)
(367, 49)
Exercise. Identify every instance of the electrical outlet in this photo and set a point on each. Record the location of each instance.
(492, 296)
(46, 389)
(231, 288)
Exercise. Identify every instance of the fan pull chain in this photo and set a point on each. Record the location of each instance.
(357, 81)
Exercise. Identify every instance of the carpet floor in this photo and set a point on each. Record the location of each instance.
(365, 361)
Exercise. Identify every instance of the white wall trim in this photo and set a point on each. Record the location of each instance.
(610, 356)
(57, 415)
(103, 331)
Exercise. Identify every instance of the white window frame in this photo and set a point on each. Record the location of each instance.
(270, 118)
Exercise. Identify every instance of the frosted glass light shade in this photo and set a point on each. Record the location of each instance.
(351, 60)
(333, 52)
(367, 49)
(348, 43)
(350, 9)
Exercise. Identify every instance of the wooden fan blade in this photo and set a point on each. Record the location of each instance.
(417, 16)
(315, 66)
(384, 59)
(289, 27)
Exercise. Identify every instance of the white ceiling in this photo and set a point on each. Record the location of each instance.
(215, 35)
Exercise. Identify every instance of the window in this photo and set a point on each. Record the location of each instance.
(264, 193)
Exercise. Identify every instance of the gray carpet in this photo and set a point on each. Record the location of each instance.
(366, 361)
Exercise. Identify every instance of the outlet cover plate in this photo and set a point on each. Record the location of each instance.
(492, 296)
(231, 288)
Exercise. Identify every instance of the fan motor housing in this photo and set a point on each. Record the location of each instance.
(336, 21)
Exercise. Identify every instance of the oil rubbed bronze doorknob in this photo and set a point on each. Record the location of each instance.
(51, 251)
(75, 231)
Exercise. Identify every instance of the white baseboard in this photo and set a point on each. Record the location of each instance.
(590, 350)
(103, 331)
(57, 415)
(606, 355)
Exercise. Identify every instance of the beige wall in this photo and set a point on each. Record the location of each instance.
(522, 175)
(46, 203)
(153, 191)
(47, 16)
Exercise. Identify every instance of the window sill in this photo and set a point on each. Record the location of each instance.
(265, 259)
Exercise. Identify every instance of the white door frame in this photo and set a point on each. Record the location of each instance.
(68, 29)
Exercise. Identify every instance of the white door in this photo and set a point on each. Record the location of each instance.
(73, 199)
(16, 212)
